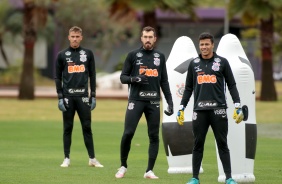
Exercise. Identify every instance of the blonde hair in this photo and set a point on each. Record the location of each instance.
(75, 29)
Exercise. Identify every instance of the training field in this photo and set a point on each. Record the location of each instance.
(31, 148)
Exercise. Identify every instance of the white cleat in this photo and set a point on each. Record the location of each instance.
(66, 162)
(150, 175)
(95, 163)
(121, 172)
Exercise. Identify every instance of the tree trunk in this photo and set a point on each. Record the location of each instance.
(268, 91)
(26, 88)
(149, 19)
(3, 53)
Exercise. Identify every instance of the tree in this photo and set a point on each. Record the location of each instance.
(34, 17)
(99, 29)
(148, 7)
(41, 18)
(261, 13)
(4, 9)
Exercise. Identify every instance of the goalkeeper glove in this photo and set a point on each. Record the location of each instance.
(180, 115)
(61, 105)
(142, 78)
(169, 110)
(92, 103)
(238, 114)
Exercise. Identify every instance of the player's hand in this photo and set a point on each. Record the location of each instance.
(169, 110)
(180, 115)
(238, 114)
(92, 103)
(142, 78)
(61, 105)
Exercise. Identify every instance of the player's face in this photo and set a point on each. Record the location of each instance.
(75, 39)
(206, 48)
(148, 39)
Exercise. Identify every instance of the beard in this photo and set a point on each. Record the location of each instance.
(148, 46)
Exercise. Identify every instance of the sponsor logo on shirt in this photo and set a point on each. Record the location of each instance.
(155, 102)
(76, 90)
(76, 69)
(149, 72)
(206, 79)
(68, 53)
(148, 94)
(204, 104)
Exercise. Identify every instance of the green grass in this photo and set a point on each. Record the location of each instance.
(31, 147)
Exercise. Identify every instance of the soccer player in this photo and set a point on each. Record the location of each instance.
(207, 77)
(144, 71)
(74, 66)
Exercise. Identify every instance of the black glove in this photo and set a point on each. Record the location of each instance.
(169, 110)
(92, 103)
(61, 105)
(142, 78)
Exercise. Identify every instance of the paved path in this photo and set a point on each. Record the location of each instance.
(50, 92)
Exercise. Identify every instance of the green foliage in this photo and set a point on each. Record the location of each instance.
(98, 26)
(120, 63)
(211, 3)
(11, 77)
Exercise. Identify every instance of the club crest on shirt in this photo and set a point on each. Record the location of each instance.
(130, 106)
(83, 56)
(157, 61)
(215, 66)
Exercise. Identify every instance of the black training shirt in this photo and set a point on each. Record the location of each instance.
(208, 79)
(73, 68)
(153, 62)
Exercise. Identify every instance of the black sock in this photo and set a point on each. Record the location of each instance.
(228, 176)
